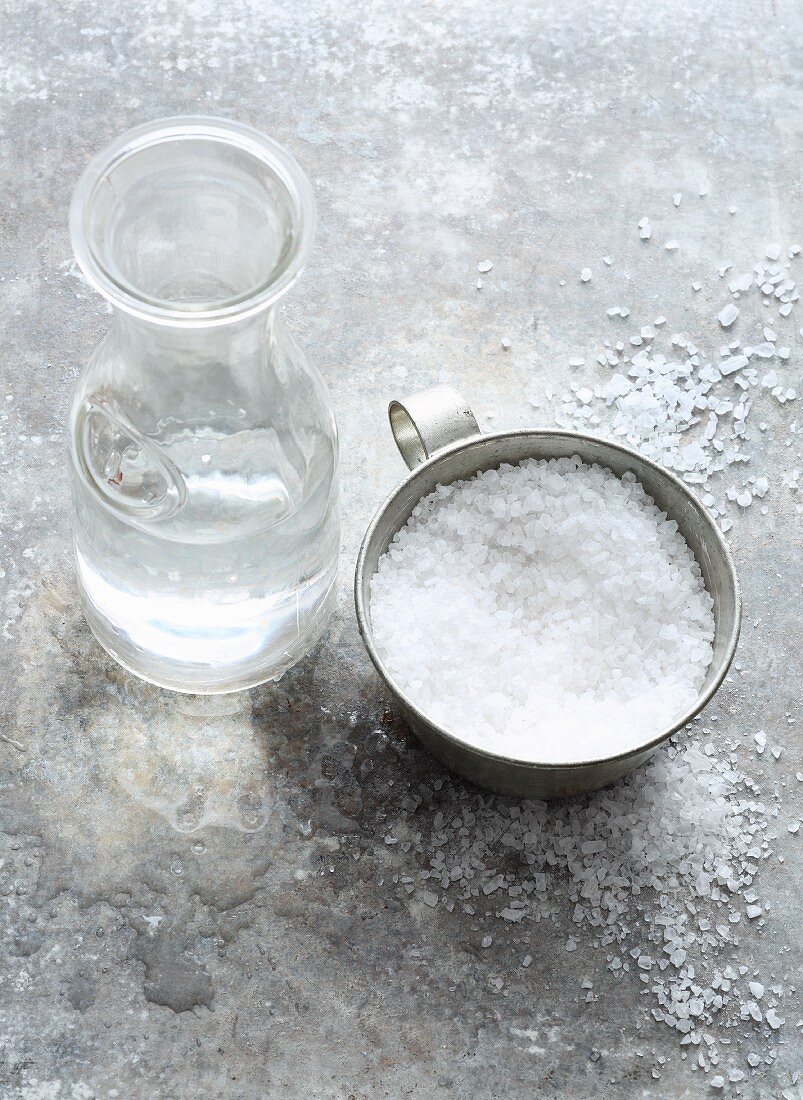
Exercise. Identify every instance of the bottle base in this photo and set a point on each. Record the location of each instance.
(195, 679)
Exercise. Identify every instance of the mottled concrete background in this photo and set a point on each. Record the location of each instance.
(191, 887)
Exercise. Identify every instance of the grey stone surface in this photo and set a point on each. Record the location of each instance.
(199, 898)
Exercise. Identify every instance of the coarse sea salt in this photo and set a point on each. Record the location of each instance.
(654, 871)
(663, 863)
(547, 611)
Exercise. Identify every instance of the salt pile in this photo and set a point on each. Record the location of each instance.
(547, 611)
(686, 408)
(657, 872)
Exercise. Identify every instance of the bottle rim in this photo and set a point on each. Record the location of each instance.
(133, 300)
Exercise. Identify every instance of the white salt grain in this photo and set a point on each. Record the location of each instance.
(736, 362)
(548, 611)
(728, 315)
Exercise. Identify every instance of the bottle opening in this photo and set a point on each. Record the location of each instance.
(199, 220)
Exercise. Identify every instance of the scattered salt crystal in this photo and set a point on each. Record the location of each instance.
(751, 1009)
(736, 362)
(757, 989)
(717, 1081)
(764, 351)
(743, 283)
(576, 362)
(728, 315)
(676, 198)
(772, 251)
(773, 1019)
(487, 941)
(671, 246)
(505, 343)
(585, 275)
(753, 911)
(484, 266)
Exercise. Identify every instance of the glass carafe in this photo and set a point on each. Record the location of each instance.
(203, 446)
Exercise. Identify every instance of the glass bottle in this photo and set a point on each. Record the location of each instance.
(203, 446)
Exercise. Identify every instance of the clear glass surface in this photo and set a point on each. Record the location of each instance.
(203, 447)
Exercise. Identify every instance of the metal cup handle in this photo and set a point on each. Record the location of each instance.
(428, 421)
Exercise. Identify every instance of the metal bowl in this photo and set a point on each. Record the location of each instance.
(441, 442)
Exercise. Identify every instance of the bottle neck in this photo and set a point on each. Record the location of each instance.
(156, 348)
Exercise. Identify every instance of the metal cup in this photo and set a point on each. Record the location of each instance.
(439, 439)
